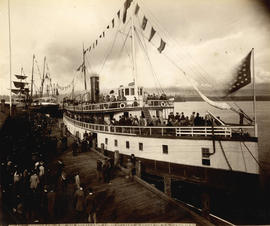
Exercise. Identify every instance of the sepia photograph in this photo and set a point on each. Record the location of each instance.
(135, 112)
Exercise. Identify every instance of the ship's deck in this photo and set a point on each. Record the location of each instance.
(120, 106)
(188, 132)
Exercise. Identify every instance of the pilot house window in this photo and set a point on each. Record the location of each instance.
(206, 156)
(106, 140)
(132, 91)
(127, 144)
(115, 143)
(126, 92)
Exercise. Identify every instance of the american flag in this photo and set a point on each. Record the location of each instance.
(242, 76)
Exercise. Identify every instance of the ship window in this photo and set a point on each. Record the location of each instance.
(165, 149)
(206, 156)
(115, 143)
(140, 146)
(106, 140)
(132, 91)
(127, 144)
(127, 91)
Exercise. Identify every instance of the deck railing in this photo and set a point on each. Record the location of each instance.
(119, 105)
(206, 131)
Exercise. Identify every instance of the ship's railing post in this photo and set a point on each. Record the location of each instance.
(162, 131)
(150, 131)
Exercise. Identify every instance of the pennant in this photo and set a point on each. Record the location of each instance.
(103, 34)
(137, 9)
(242, 77)
(84, 52)
(144, 23)
(113, 23)
(153, 31)
(100, 36)
(96, 42)
(118, 14)
(108, 26)
(126, 6)
(162, 46)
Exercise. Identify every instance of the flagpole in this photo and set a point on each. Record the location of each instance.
(254, 96)
(10, 68)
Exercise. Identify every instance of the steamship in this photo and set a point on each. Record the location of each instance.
(220, 156)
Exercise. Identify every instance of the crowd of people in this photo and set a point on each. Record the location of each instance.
(34, 190)
(195, 119)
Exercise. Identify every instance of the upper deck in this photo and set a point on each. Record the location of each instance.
(119, 106)
(188, 132)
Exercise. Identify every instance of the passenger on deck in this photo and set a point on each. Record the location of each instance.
(112, 99)
(142, 121)
(207, 119)
(154, 120)
(177, 116)
(191, 119)
(135, 103)
(158, 121)
(135, 121)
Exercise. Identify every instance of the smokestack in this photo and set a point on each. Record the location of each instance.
(94, 81)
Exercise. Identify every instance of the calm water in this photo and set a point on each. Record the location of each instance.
(263, 120)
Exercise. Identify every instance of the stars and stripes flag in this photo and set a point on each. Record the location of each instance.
(242, 76)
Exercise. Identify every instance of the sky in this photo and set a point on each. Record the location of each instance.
(205, 41)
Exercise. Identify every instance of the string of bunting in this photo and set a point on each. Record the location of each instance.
(65, 87)
(144, 23)
(127, 4)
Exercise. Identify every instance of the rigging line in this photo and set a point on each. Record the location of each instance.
(180, 59)
(110, 49)
(252, 156)
(243, 157)
(166, 34)
(171, 60)
(147, 54)
(149, 61)
(89, 65)
(124, 45)
(223, 152)
(38, 69)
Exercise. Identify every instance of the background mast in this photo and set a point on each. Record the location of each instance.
(10, 68)
(43, 77)
(32, 79)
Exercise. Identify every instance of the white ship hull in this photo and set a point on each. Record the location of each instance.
(233, 164)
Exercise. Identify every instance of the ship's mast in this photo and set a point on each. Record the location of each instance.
(32, 79)
(134, 71)
(10, 68)
(84, 71)
(43, 77)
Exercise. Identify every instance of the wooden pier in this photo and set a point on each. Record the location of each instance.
(122, 200)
